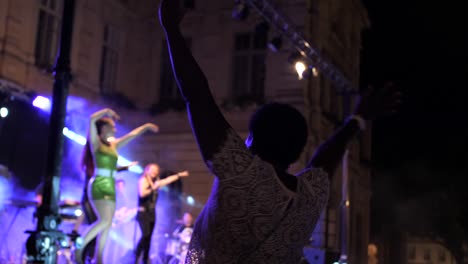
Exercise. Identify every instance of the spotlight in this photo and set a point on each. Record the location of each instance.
(275, 44)
(310, 71)
(300, 69)
(4, 112)
(314, 72)
(303, 68)
(190, 200)
(240, 11)
(42, 103)
(299, 63)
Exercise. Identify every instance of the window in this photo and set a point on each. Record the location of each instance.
(169, 92)
(47, 35)
(249, 65)
(109, 61)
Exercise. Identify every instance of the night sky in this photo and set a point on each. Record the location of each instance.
(420, 154)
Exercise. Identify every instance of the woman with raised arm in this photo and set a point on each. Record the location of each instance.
(100, 159)
(258, 212)
(148, 188)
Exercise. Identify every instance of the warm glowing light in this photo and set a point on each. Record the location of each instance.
(315, 72)
(300, 68)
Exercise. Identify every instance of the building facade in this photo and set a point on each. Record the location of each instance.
(119, 60)
(422, 251)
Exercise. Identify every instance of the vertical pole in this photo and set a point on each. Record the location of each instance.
(43, 243)
(345, 201)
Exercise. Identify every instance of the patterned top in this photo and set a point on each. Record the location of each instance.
(251, 217)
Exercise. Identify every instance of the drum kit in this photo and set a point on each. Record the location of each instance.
(177, 246)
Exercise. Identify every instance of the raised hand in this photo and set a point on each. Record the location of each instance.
(183, 174)
(378, 103)
(112, 114)
(152, 127)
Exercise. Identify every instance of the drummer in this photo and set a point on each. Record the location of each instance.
(183, 234)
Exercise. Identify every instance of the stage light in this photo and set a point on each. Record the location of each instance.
(300, 69)
(240, 11)
(314, 72)
(42, 103)
(78, 212)
(64, 243)
(299, 63)
(303, 68)
(4, 112)
(190, 200)
(310, 71)
(275, 44)
(73, 136)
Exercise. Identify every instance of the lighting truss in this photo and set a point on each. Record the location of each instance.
(287, 29)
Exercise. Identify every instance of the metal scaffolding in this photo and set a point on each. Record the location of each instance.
(284, 25)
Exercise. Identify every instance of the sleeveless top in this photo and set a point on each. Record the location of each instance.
(106, 157)
(103, 186)
(148, 203)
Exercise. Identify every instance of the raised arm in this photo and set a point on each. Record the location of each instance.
(329, 154)
(369, 107)
(126, 167)
(207, 121)
(93, 135)
(170, 179)
(122, 141)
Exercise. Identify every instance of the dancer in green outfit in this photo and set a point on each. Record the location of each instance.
(100, 159)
